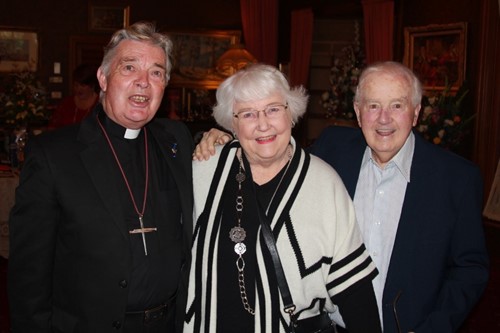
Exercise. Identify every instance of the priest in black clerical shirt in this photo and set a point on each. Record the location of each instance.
(101, 228)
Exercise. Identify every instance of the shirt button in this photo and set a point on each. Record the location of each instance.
(381, 192)
(374, 253)
(123, 284)
(377, 222)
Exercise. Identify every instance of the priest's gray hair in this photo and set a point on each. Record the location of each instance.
(143, 32)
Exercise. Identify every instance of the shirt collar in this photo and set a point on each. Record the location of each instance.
(402, 160)
(119, 131)
(131, 133)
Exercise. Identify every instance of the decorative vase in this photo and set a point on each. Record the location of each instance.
(17, 143)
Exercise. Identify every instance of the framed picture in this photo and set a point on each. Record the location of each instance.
(108, 18)
(18, 50)
(492, 208)
(437, 53)
(195, 57)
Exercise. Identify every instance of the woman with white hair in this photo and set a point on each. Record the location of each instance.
(259, 190)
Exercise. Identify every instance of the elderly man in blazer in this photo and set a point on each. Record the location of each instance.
(418, 206)
(101, 227)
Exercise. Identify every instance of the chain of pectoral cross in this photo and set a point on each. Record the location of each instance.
(142, 230)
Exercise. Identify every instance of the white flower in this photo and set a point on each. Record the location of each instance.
(449, 122)
(422, 128)
(427, 112)
(325, 96)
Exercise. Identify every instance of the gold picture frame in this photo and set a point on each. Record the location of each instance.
(19, 49)
(492, 207)
(195, 57)
(437, 54)
(108, 18)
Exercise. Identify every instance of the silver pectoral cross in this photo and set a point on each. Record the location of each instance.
(143, 231)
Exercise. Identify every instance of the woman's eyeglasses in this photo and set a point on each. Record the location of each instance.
(271, 111)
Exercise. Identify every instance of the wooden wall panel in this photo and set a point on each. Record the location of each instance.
(487, 143)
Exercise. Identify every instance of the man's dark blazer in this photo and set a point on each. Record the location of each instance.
(70, 255)
(439, 263)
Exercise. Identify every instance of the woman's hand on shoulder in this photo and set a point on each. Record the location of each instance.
(206, 147)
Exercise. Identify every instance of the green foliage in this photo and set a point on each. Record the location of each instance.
(23, 100)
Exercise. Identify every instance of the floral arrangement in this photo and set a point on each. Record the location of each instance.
(344, 75)
(23, 100)
(442, 119)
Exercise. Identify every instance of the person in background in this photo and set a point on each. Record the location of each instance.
(418, 206)
(233, 285)
(74, 108)
(100, 234)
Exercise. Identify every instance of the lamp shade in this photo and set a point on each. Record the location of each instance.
(234, 59)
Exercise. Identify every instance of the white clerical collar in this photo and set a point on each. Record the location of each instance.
(132, 133)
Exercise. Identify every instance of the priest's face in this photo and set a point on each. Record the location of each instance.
(133, 88)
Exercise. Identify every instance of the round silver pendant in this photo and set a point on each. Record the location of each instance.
(240, 248)
(237, 234)
(240, 177)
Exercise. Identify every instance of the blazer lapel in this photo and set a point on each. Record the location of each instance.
(100, 166)
(407, 236)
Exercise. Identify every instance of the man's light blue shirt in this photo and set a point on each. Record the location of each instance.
(378, 201)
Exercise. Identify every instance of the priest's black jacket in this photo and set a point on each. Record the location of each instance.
(70, 253)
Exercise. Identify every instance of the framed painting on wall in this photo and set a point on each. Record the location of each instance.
(492, 208)
(108, 18)
(18, 50)
(437, 54)
(195, 57)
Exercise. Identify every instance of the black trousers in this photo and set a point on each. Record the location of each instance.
(158, 322)
(136, 325)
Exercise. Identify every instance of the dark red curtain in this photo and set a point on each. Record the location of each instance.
(379, 29)
(260, 29)
(300, 45)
